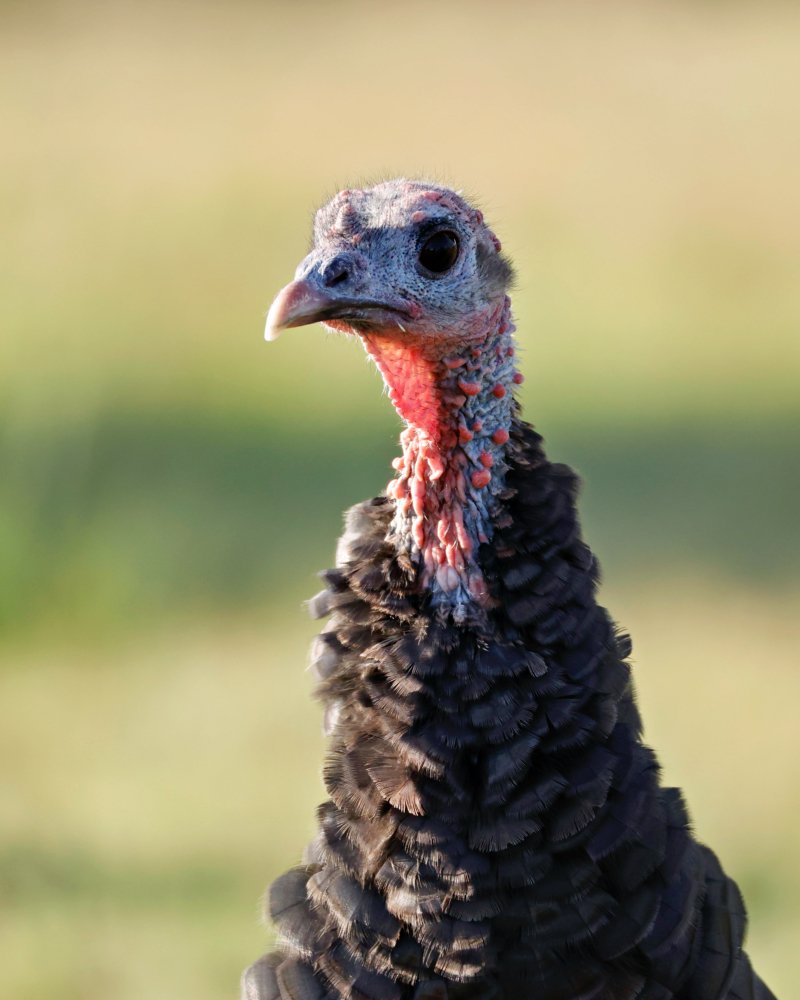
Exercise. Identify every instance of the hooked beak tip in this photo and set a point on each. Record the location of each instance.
(299, 303)
(271, 331)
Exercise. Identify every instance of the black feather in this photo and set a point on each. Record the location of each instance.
(259, 981)
(496, 829)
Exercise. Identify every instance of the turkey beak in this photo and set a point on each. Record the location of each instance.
(298, 304)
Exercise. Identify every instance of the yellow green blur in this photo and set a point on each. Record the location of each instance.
(169, 483)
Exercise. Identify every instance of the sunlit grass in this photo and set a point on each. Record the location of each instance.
(149, 794)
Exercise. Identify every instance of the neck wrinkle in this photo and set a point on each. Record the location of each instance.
(455, 393)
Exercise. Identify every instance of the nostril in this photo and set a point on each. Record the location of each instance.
(335, 273)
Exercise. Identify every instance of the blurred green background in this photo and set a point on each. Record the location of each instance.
(169, 484)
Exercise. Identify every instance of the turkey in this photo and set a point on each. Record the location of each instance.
(496, 829)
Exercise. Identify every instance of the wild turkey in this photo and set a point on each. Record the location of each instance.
(496, 829)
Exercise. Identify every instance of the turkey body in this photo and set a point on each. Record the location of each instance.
(496, 828)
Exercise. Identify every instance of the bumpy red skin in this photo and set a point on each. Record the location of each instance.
(446, 388)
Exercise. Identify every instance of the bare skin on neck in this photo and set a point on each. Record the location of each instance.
(454, 393)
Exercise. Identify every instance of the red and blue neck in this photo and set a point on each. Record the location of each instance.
(455, 393)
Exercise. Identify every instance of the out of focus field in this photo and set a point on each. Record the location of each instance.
(169, 483)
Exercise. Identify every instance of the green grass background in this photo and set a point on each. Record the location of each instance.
(169, 483)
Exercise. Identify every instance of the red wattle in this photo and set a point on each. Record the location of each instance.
(427, 384)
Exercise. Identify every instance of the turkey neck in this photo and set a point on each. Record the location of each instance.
(454, 390)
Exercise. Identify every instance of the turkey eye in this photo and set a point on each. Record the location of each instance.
(438, 254)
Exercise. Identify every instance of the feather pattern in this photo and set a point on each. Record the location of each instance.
(496, 828)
